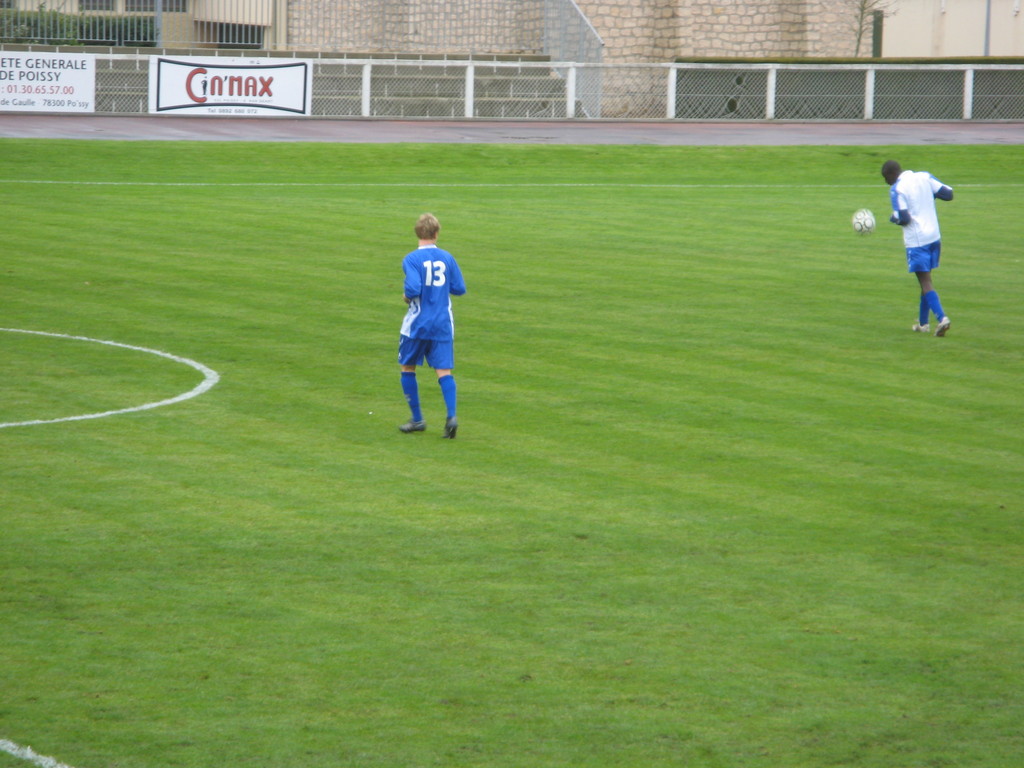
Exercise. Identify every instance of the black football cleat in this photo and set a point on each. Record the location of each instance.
(451, 426)
(413, 426)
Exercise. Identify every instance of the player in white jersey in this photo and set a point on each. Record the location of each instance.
(913, 195)
(432, 277)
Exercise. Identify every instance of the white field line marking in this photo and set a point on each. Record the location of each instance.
(210, 378)
(455, 185)
(27, 753)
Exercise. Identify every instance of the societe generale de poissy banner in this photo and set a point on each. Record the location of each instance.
(230, 86)
(47, 82)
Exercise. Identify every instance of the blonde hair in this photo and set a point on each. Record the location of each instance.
(427, 227)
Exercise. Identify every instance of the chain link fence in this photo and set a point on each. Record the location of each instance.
(510, 88)
(846, 92)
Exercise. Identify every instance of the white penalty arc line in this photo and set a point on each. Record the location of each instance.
(27, 753)
(210, 378)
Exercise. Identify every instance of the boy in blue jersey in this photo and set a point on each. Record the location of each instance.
(913, 197)
(432, 277)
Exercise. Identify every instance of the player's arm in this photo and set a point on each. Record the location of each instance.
(456, 285)
(900, 213)
(940, 191)
(413, 281)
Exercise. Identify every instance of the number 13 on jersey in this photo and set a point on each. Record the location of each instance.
(435, 274)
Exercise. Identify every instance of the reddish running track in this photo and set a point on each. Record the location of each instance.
(378, 131)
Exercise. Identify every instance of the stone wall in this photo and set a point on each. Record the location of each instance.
(415, 26)
(661, 30)
(637, 31)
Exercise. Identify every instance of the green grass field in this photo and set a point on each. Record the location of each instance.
(712, 503)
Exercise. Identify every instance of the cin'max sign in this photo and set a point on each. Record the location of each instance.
(234, 87)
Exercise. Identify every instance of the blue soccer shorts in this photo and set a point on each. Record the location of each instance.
(439, 354)
(924, 258)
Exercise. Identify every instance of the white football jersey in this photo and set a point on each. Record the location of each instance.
(914, 192)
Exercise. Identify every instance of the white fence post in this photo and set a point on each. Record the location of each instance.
(670, 100)
(769, 102)
(367, 70)
(968, 94)
(470, 74)
(869, 94)
(570, 92)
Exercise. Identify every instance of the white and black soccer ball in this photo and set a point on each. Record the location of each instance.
(863, 222)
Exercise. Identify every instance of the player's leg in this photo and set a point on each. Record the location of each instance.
(446, 381)
(411, 390)
(930, 299)
(928, 296)
(935, 250)
(921, 261)
(922, 316)
(409, 354)
(442, 358)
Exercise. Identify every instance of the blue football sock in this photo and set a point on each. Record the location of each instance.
(922, 313)
(448, 390)
(933, 303)
(412, 394)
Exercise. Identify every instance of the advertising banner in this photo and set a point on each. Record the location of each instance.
(230, 86)
(47, 82)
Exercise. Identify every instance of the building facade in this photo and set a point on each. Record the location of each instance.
(944, 28)
(625, 31)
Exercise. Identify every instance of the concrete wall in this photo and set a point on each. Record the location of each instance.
(954, 28)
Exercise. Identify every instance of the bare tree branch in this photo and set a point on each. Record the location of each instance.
(863, 17)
